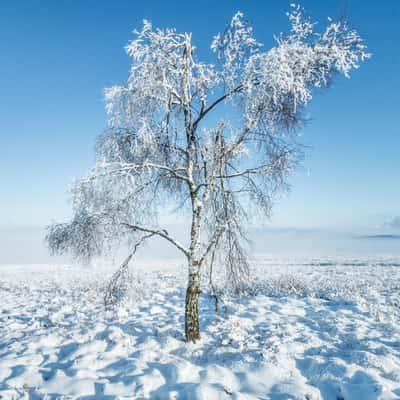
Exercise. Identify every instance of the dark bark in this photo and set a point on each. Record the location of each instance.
(192, 328)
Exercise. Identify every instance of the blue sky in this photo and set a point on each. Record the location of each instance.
(57, 56)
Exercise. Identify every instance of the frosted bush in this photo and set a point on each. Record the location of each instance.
(123, 287)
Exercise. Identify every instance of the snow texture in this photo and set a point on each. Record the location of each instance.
(310, 329)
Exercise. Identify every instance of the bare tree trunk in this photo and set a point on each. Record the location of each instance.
(192, 328)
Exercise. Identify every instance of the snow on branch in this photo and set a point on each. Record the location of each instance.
(81, 237)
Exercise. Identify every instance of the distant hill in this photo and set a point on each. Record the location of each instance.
(380, 236)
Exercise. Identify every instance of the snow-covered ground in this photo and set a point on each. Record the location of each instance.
(310, 329)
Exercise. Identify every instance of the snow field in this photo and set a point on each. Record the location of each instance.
(317, 329)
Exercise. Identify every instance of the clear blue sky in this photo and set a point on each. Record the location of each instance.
(57, 56)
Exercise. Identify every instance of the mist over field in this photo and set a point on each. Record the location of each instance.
(26, 245)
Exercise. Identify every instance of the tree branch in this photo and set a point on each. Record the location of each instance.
(162, 233)
(205, 111)
(122, 167)
(261, 169)
(214, 240)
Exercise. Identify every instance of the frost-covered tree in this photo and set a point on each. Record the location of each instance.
(217, 139)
